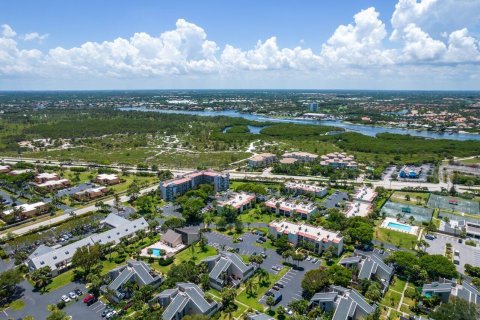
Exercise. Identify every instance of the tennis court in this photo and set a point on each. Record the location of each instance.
(454, 203)
(420, 214)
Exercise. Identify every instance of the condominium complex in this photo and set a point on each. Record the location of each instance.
(45, 176)
(300, 234)
(239, 201)
(5, 168)
(29, 209)
(170, 189)
(303, 188)
(91, 193)
(53, 184)
(301, 156)
(261, 160)
(291, 207)
(338, 160)
(108, 179)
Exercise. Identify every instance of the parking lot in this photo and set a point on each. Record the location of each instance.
(468, 254)
(36, 304)
(332, 200)
(292, 280)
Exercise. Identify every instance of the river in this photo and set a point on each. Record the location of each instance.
(360, 128)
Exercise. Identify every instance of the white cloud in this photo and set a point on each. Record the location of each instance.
(7, 31)
(35, 36)
(419, 46)
(358, 51)
(359, 43)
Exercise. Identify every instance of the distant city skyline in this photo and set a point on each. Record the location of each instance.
(187, 44)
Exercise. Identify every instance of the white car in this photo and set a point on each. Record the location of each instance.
(72, 295)
(289, 311)
(309, 258)
(111, 314)
(65, 298)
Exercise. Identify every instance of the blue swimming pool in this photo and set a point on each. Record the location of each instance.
(399, 226)
(156, 252)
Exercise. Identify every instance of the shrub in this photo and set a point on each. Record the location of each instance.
(471, 243)
(61, 305)
(165, 261)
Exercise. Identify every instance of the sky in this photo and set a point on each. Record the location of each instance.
(187, 44)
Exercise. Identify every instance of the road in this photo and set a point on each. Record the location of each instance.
(79, 212)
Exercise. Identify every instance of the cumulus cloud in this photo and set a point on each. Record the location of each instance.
(359, 49)
(35, 36)
(7, 31)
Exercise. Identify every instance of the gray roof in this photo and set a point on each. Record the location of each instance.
(137, 270)
(260, 316)
(370, 266)
(469, 292)
(65, 253)
(437, 287)
(171, 236)
(343, 310)
(350, 260)
(361, 302)
(367, 269)
(224, 261)
(348, 302)
(324, 296)
(185, 293)
(41, 250)
(189, 230)
(114, 220)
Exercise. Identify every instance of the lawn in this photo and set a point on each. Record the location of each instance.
(253, 216)
(391, 299)
(61, 280)
(398, 284)
(398, 239)
(252, 300)
(416, 198)
(142, 181)
(185, 255)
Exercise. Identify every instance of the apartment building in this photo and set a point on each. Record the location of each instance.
(91, 193)
(46, 176)
(29, 209)
(239, 201)
(338, 160)
(5, 168)
(107, 179)
(292, 207)
(173, 188)
(303, 188)
(227, 268)
(53, 184)
(261, 160)
(300, 234)
(301, 156)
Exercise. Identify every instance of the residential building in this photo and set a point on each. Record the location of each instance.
(91, 193)
(313, 107)
(29, 209)
(227, 268)
(185, 299)
(59, 259)
(20, 171)
(301, 156)
(239, 201)
(303, 188)
(261, 160)
(410, 172)
(172, 238)
(365, 194)
(134, 271)
(53, 184)
(45, 176)
(437, 289)
(338, 160)
(107, 179)
(370, 265)
(189, 234)
(304, 235)
(346, 304)
(292, 207)
(5, 168)
(288, 161)
(259, 316)
(170, 189)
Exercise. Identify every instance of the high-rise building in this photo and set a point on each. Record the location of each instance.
(313, 107)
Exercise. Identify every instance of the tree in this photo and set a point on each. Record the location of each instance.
(438, 266)
(456, 309)
(41, 277)
(56, 314)
(270, 302)
(314, 281)
(250, 287)
(263, 276)
(299, 306)
(133, 190)
(8, 281)
(228, 297)
(374, 293)
(282, 244)
(339, 275)
(329, 254)
(191, 209)
(86, 258)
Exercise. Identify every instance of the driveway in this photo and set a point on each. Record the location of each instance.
(468, 254)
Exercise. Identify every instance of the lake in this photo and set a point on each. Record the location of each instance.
(360, 128)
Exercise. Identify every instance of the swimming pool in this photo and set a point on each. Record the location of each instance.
(399, 226)
(156, 252)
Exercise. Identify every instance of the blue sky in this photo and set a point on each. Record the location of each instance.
(360, 44)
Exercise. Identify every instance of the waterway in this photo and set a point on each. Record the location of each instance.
(360, 128)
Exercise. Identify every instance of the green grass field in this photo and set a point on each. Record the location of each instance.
(416, 198)
(398, 239)
(186, 255)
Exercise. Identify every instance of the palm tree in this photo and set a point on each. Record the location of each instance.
(263, 276)
(250, 287)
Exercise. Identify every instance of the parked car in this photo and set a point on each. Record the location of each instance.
(278, 284)
(88, 298)
(269, 293)
(275, 288)
(460, 240)
(264, 255)
(314, 260)
(72, 295)
(240, 239)
(429, 237)
(78, 292)
(65, 298)
(106, 311)
(111, 314)
(309, 258)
